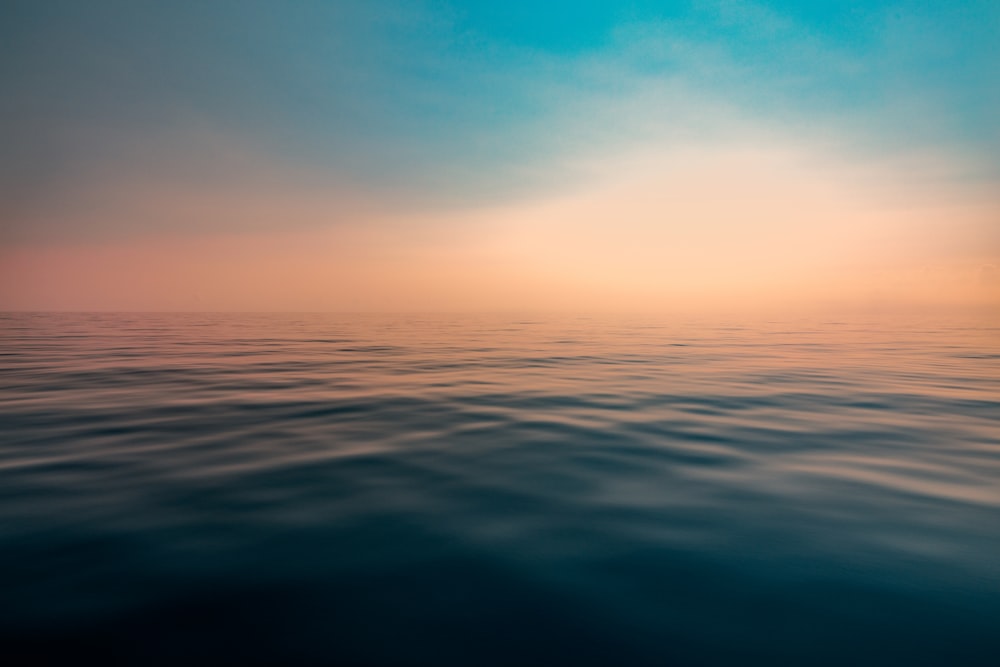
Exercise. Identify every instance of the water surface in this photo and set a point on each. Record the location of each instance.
(497, 490)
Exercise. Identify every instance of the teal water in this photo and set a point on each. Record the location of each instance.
(495, 490)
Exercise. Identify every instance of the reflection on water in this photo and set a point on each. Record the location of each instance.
(459, 490)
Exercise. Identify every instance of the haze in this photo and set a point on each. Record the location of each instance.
(499, 156)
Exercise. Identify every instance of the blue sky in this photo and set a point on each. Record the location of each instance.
(442, 108)
(453, 100)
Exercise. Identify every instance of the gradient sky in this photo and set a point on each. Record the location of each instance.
(585, 155)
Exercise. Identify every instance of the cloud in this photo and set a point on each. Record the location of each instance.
(410, 104)
(733, 155)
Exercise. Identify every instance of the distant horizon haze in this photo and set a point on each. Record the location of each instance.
(605, 156)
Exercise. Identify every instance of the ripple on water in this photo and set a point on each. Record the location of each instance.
(254, 489)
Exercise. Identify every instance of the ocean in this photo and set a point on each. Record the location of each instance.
(317, 489)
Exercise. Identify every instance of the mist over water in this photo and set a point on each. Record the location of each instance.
(498, 490)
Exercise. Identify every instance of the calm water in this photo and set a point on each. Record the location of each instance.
(333, 490)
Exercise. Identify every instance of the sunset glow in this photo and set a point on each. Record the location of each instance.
(727, 155)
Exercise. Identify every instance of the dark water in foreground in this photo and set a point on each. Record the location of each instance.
(261, 489)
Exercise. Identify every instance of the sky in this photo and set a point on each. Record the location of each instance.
(470, 155)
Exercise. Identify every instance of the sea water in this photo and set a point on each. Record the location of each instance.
(498, 490)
